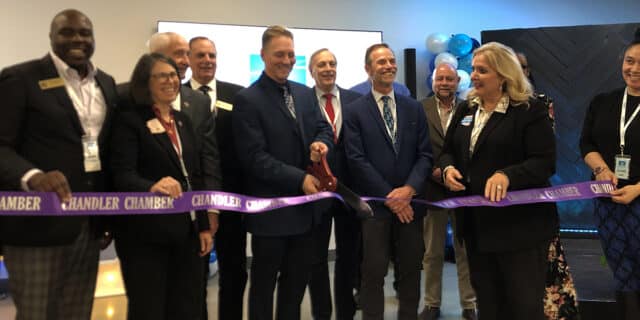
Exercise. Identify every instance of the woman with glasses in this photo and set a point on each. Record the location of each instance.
(156, 149)
(610, 137)
(500, 140)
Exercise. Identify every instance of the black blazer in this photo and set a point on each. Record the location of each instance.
(521, 143)
(40, 128)
(375, 167)
(273, 150)
(141, 158)
(232, 176)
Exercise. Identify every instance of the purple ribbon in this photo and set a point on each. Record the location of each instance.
(140, 203)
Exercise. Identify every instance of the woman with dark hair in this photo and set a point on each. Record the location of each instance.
(610, 137)
(501, 140)
(156, 149)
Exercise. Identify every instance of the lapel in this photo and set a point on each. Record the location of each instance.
(103, 82)
(274, 96)
(298, 104)
(401, 121)
(496, 118)
(377, 117)
(465, 131)
(185, 101)
(433, 117)
(60, 93)
(163, 138)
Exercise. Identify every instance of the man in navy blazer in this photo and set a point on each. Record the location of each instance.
(278, 128)
(53, 110)
(331, 101)
(389, 155)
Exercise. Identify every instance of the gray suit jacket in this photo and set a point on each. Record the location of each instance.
(435, 189)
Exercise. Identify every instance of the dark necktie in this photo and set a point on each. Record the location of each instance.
(328, 107)
(288, 101)
(388, 120)
(205, 90)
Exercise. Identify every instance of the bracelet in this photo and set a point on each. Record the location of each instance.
(598, 170)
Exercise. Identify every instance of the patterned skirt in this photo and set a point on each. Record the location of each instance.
(560, 300)
(619, 230)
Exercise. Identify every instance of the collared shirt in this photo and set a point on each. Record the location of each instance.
(337, 107)
(482, 117)
(377, 96)
(449, 112)
(85, 95)
(176, 105)
(212, 93)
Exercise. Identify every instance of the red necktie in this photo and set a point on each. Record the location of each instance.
(328, 107)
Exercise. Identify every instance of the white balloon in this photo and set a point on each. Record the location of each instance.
(437, 42)
(465, 80)
(446, 57)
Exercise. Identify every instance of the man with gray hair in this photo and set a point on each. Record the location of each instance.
(439, 110)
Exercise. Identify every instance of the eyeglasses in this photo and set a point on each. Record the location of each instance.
(524, 67)
(165, 76)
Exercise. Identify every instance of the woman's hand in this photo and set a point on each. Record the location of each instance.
(206, 242)
(496, 187)
(625, 194)
(607, 175)
(168, 186)
(451, 179)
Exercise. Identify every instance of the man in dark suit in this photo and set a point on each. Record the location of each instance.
(388, 152)
(439, 109)
(331, 100)
(53, 138)
(278, 129)
(231, 235)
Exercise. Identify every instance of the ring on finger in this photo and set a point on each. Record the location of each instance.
(499, 187)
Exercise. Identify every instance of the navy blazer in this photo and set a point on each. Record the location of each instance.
(40, 129)
(273, 149)
(141, 158)
(375, 167)
(521, 143)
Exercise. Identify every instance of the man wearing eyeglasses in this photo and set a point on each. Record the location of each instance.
(54, 131)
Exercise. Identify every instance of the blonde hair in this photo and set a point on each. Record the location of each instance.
(504, 61)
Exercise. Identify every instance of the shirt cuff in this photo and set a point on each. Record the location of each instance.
(24, 181)
(213, 211)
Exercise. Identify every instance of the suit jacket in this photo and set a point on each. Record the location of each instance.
(273, 149)
(337, 158)
(40, 128)
(376, 168)
(196, 106)
(435, 189)
(232, 176)
(141, 158)
(521, 143)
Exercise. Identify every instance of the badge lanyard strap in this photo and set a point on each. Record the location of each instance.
(75, 99)
(624, 125)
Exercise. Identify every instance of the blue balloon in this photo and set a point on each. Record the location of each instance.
(475, 44)
(430, 81)
(464, 63)
(465, 80)
(460, 45)
(432, 63)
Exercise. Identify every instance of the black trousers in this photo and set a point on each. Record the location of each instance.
(163, 280)
(231, 249)
(379, 235)
(285, 260)
(509, 285)
(347, 238)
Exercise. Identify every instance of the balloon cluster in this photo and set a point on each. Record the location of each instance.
(456, 50)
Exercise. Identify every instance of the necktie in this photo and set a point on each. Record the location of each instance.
(288, 101)
(328, 107)
(388, 119)
(205, 90)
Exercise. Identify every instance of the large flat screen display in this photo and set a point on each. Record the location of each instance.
(239, 50)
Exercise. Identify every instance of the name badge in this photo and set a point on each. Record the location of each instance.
(47, 84)
(224, 105)
(466, 121)
(91, 152)
(623, 165)
(155, 127)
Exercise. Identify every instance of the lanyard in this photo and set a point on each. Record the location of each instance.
(79, 104)
(624, 125)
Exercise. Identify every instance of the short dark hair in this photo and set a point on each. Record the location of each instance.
(367, 55)
(198, 38)
(275, 31)
(634, 41)
(139, 90)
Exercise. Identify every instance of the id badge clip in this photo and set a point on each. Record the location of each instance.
(91, 152)
(623, 165)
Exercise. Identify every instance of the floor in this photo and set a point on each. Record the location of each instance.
(110, 303)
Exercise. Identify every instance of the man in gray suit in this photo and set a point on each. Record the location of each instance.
(439, 109)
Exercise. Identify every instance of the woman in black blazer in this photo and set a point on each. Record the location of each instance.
(156, 149)
(499, 140)
(618, 217)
